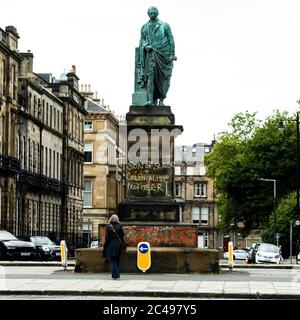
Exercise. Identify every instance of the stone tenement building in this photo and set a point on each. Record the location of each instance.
(67, 90)
(101, 150)
(10, 60)
(42, 193)
(39, 148)
(197, 191)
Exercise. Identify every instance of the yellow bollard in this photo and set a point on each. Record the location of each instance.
(64, 254)
(143, 256)
(230, 255)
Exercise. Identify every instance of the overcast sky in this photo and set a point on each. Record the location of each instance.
(233, 55)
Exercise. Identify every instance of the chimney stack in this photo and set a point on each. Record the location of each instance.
(27, 63)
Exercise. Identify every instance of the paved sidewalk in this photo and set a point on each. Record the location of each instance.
(149, 286)
(196, 289)
(71, 263)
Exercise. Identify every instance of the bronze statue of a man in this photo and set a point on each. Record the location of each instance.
(155, 57)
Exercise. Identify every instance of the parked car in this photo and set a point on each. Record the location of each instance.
(45, 248)
(94, 244)
(267, 252)
(252, 252)
(14, 248)
(238, 254)
(298, 258)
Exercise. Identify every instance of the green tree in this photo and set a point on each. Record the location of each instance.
(251, 149)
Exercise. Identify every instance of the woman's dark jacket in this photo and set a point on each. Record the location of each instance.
(112, 244)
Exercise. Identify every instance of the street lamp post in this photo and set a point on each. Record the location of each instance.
(274, 204)
(281, 127)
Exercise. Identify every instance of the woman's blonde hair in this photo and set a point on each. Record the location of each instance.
(114, 219)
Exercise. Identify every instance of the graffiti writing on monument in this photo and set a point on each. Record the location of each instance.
(149, 179)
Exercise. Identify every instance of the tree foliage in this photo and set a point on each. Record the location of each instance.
(285, 213)
(249, 150)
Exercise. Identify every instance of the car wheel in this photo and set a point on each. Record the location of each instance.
(39, 256)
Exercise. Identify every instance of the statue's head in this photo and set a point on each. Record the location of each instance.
(153, 13)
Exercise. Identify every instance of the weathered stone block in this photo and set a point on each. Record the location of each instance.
(149, 211)
(158, 235)
(164, 260)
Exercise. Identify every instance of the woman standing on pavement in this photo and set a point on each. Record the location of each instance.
(114, 242)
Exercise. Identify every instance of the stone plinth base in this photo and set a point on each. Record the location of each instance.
(149, 211)
(157, 234)
(164, 260)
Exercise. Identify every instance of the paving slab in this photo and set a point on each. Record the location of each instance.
(160, 286)
(212, 284)
(210, 290)
(236, 284)
(186, 286)
(135, 285)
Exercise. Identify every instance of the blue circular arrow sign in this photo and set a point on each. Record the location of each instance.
(143, 248)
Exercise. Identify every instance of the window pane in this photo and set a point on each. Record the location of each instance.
(202, 171)
(87, 157)
(177, 171)
(203, 190)
(195, 214)
(200, 189)
(88, 152)
(87, 185)
(204, 215)
(88, 146)
(190, 171)
(86, 226)
(87, 199)
(88, 125)
(177, 189)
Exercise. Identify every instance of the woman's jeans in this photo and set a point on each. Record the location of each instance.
(115, 264)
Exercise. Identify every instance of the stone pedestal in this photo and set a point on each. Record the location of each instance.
(164, 260)
(150, 212)
(149, 195)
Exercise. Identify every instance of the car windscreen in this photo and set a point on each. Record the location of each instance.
(268, 248)
(4, 236)
(40, 241)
